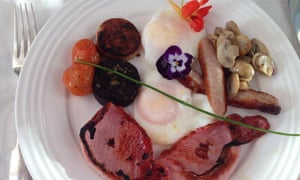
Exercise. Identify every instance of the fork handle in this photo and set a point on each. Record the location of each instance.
(17, 169)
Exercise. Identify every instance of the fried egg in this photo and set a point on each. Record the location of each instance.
(164, 119)
(167, 28)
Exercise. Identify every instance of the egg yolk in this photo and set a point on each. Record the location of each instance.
(155, 107)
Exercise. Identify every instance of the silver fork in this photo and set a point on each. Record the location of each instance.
(24, 32)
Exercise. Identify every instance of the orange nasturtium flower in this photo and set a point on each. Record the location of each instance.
(193, 12)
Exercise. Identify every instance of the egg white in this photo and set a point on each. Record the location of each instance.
(184, 119)
(167, 28)
(166, 120)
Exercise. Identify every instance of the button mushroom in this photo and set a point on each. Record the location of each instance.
(244, 44)
(247, 59)
(227, 53)
(240, 56)
(244, 85)
(244, 69)
(218, 31)
(213, 38)
(258, 47)
(232, 26)
(263, 64)
(233, 85)
(225, 35)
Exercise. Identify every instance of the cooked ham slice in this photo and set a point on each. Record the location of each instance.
(201, 155)
(118, 148)
(209, 152)
(115, 145)
(170, 170)
(199, 151)
(226, 166)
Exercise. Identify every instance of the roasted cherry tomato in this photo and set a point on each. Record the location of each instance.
(85, 49)
(78, 79)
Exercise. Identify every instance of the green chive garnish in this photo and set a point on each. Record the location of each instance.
(186, 103)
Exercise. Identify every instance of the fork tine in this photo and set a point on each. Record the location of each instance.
(25, 30)
(34, 20)
(22, 39)
(28, 34)
(31, 25)
(15, 47)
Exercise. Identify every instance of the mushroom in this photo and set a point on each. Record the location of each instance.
(244, 69)
(258, 47)
(232, 26)
(225, 35)
(213, 38)
(233, 85)
(247, 59)
(263, 64)
(227, 53)
(218, 31)
(244, 44)
(244, 85)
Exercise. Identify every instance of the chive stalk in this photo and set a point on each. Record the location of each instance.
(218, 117)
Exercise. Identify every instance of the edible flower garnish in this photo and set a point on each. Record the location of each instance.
(173, 63)
(218, 117)
(193, 12)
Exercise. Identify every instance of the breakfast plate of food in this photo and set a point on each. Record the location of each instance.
(160, 89)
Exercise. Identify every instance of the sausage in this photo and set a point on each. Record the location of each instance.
(213, 76)
(242, 135)
(252, 99)
(249, 99)
(193, 81)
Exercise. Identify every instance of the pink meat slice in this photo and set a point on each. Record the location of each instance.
(164, 169)
(226, 166)
(118, 148)
(209, 152)
(199, 151)
(115, 145)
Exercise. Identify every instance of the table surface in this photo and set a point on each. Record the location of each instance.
(278, 10)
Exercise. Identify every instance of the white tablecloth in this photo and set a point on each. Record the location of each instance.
(277, 9)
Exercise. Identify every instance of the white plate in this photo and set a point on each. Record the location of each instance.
(48, 118)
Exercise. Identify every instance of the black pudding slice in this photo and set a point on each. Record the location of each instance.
(118, 38)
(108, 87)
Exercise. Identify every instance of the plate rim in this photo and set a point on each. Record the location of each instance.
(20, 132)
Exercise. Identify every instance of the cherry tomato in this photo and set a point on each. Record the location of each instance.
(78, 79)
(85, 50)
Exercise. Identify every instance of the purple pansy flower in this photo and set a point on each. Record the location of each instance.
(173, 63)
